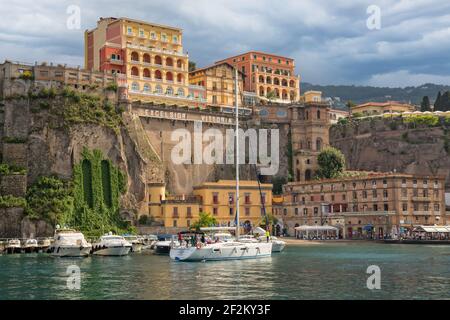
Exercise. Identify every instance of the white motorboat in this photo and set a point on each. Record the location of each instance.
(137, 243)
(149, 242)
(111, 245)
(13, 246)
(31, 245)
(70, 243)
(164, 244)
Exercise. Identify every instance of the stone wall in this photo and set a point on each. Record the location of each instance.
(14, 185)
(10, 222)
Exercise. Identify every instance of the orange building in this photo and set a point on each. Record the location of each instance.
(376, 108)
(270, 76)
(149, 56)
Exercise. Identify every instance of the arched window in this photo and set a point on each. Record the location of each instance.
(284, 83)
(292, 95)
(318, 114)
(277, 93)
(135, 86)
(269, 80)
(135, 72)
(276, 81)
(147, 87)
(180, 64)
(159, 89)
(169, 62)
(292, 84)
(135, 56)
(169, 76)
(180, 78)
(261, 91)
(169, 91)
(318, 144)
(180, 92)
(308, 175)
(146, 58)
(285, 95)
(158, 75)
(158, 60)
(146, 73)
(261, 79)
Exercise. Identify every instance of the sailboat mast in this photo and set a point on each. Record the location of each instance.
(236, 88)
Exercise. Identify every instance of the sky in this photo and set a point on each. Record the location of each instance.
(331, 40)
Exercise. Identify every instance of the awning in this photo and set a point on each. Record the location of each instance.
(369, 227)
(316, 228)
(433, 229)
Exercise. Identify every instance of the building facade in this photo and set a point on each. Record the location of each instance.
(377, 108)
(219, 84)
(148, 56)
(375, 204)
(216, 198)
(270, 76)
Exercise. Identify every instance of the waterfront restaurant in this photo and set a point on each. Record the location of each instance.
(317, 232)
(431, 233)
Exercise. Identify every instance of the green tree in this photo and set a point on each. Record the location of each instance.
(192, 66)
(205, 220)
(425, 105)
(438, 102)
(271, 95)
(331, 163)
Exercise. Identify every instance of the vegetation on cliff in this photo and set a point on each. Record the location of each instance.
(12, 202)
(7, 169)
(89, 203)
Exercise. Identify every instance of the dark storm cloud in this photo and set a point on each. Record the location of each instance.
(328, 39)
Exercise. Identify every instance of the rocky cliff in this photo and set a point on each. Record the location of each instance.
(385, 144)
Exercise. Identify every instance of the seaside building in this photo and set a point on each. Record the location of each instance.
(337, 114)
(148, 56)
(377, 108)
(218, 82)
(216, 198)
(271, 77)
(375, 204)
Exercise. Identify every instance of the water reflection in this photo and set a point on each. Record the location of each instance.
(304, 272)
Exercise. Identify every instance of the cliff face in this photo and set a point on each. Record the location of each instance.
(388, 145)
(45, 145)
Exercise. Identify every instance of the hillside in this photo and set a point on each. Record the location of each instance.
(361, 94)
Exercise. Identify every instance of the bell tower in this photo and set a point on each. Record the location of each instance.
(310, 135)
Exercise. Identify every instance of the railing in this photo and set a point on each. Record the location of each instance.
(170, 52)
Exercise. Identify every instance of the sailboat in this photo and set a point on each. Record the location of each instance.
(226, 250)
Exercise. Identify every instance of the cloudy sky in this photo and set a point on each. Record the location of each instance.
(329, 39)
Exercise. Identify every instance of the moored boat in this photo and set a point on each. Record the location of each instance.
(111, 245)
(70, 243)
(30, 245)
(137, 243)
(164, 244)
(13, 246)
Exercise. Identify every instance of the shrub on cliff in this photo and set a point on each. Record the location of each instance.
(50, 199)
(12, 202)
(331, 163)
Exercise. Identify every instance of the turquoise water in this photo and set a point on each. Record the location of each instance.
(328, 271)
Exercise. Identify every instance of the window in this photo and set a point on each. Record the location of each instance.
(263, 198)
(385, 194)
(215, 211)
(247, 198)
(316, 211)
(374, 194)
(305, 211)
(437, 207)
(141, 33)
(215, 198)
(247, 211)
(404, 193)
(364, 194)
(405, 207)
(375, 207)
(231, 198)
(189, 212)
(174, 223)
(169, 91)
(135, 86)
(159, 89)
(231, 211)
(180, 92)
(164, 37)
(130, 30)
(355, 195)
(296, 211)
(153, 35)
(386, 207)
(425, 193)
(416, 207)
(175, 39)
(146, 87)
(426, 207)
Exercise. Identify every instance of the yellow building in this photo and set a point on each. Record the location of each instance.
(311, 96)
(218, 81)
(215, 198)
(376, 108)
(219, 199)
(149, 56)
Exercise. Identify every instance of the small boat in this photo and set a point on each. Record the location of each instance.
(137, 243)
(70, 243)
(111, 245)
(149, 242)
(44, 245)
(165, 242)
(13, 246)
(31, 245)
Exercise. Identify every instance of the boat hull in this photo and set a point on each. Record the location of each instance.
(70, 251)
(162, 249)
(229, 251)
(13, 250)
(113, 251)
(278, 246)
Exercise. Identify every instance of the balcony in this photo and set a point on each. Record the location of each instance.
(421, 199)
(116, 62)
(175, 215)
(422, 213)
(156, 50)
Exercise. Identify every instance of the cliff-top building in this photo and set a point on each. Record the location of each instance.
(271, 77)
(149, 57)
(377, 108)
